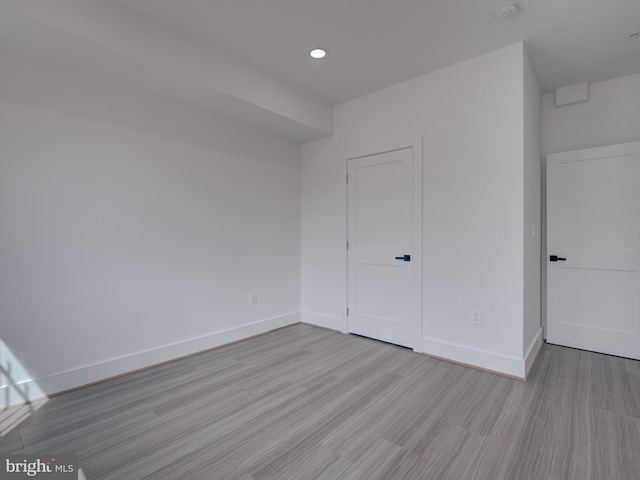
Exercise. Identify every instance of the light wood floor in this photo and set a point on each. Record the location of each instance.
(306, 403)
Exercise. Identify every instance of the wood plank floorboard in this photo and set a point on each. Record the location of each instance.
(307, 403)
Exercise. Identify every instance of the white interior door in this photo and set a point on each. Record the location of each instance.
(593, 234)
(380, 266)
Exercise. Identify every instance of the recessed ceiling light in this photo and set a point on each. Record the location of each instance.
(506, 12)
(318, 53)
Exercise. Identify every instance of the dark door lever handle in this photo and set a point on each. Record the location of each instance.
(555, 258)
(406, 258)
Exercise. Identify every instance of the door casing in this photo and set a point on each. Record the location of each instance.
(415, 142)
(592, 260)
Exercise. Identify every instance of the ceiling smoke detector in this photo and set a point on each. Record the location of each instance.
(506, 12)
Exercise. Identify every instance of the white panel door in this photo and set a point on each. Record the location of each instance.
(593, 235)
(380, 267)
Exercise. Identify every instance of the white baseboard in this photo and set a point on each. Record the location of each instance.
(494, 362)
(20, 393)
(16, 385)
(88, 374)
(326, 321)
(97, 372)
(531, 353)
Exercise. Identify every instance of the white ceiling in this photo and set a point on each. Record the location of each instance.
(376, 43)
(247, 60)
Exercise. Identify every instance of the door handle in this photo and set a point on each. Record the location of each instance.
(406, 258)
(555, 258)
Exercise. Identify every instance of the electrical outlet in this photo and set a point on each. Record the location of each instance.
(253, 298)
(476, 317)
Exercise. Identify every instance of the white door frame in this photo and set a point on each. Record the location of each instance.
(551, 273)
(389, 145)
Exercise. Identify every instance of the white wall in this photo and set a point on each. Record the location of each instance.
(532, 332)
(609, 117)
(132, 228)
(471, 117)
